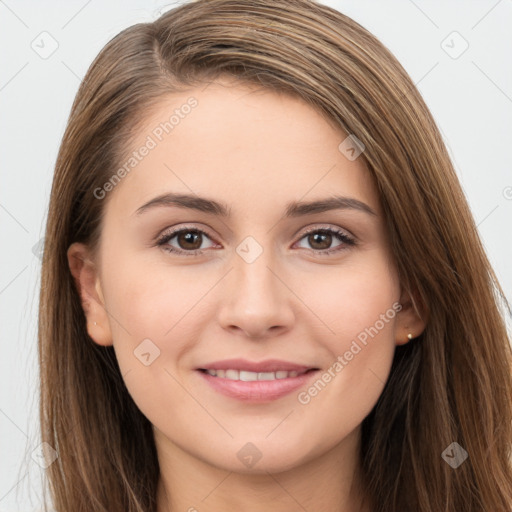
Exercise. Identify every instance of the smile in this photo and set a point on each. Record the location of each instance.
(252, 387)
(247, 376)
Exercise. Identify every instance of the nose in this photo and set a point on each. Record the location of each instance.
(257, 301)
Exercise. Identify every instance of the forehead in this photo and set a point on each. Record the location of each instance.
(246, 144)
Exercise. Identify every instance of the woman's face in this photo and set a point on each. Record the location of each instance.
(245, 280)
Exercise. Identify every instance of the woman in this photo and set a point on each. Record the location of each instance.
(338, 344)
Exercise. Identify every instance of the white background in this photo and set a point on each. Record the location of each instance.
(470, 98)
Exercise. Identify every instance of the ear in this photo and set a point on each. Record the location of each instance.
(411, 319)
(85, 274)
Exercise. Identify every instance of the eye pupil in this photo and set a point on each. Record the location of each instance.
(188, 237)
(315, 236)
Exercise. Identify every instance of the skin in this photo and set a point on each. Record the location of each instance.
(256, 151)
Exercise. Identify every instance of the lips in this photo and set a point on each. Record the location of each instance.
(256, 382)
(269, 365)
(247, 376)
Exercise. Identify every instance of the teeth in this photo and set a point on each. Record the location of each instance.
(251, 376)
(248, 376)
(232, 374)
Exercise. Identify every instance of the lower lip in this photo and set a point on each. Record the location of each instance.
(257, 391)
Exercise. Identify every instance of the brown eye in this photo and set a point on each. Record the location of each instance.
(190, 240)
(320, 241)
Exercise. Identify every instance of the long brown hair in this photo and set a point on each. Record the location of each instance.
(451, 384)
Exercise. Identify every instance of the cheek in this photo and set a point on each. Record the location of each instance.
(358, 309)
(353, 301)
(154, 304)
(154, 325)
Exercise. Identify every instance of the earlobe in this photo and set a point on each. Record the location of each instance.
(88, 286)
(411, 319)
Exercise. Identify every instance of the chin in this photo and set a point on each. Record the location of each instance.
(262, 457)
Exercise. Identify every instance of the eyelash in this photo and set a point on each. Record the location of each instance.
(341, 235)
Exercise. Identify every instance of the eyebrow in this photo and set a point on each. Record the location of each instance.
(293, 209)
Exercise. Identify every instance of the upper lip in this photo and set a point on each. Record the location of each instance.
(270, 365)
